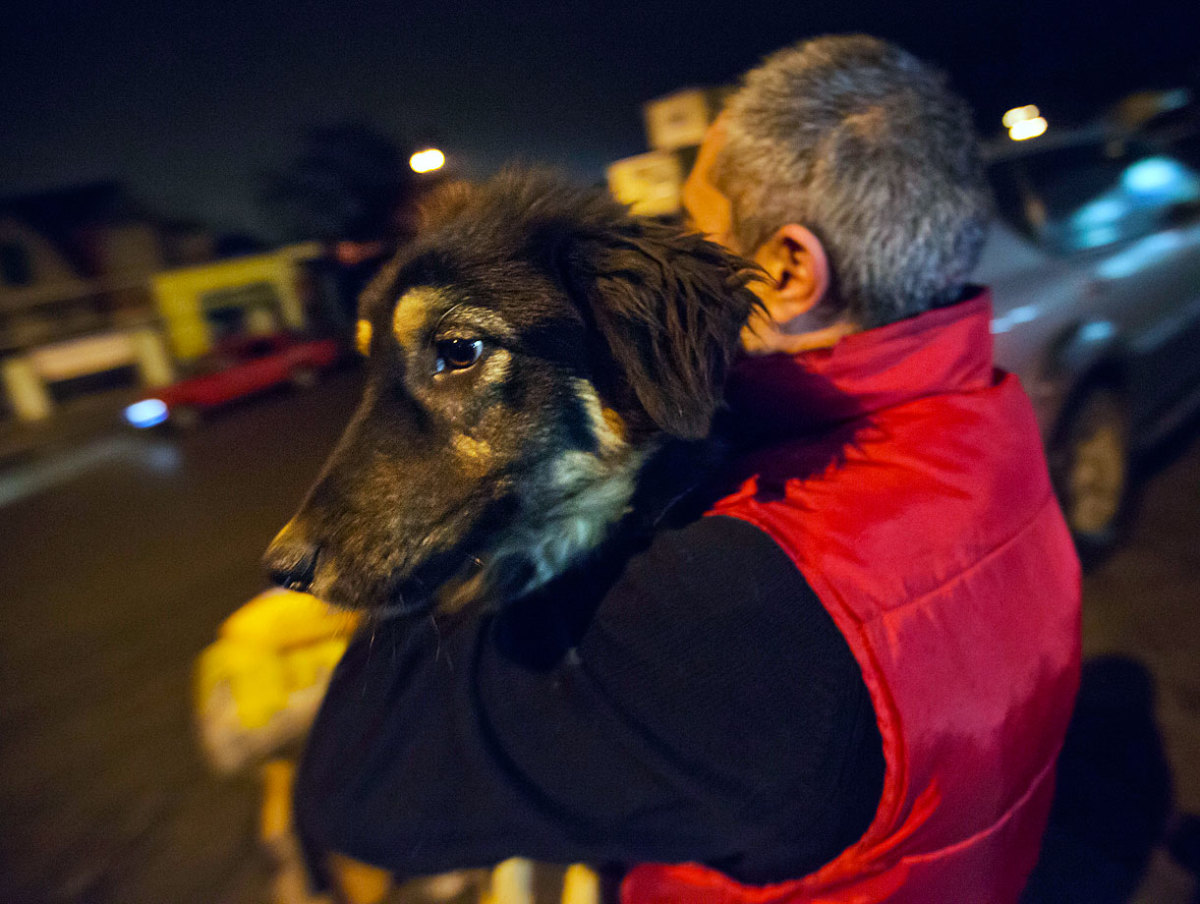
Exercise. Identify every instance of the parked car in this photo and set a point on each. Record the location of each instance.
(1094, 263)
(237, 368)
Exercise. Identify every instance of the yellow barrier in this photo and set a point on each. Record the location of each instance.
(179, 294)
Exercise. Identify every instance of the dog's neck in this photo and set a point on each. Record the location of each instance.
(609, 517)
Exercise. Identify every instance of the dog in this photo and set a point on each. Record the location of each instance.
(539, 362)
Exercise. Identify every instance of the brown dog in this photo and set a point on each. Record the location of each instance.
(531, 357)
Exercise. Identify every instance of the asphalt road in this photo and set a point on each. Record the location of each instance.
(120, 557)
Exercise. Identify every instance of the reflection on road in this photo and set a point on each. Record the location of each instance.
(26, 480)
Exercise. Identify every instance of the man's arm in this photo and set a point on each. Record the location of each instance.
(700, 705)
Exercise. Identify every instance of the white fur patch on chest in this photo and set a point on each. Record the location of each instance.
(591, 492)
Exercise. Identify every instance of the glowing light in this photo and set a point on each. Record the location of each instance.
(427, 161)
(1095, 236)
(1103, 211)
(1028, 128)
(1020, 114)
(1005, 322)
(1146, 255)
(1159, 175)
(146, 413)
(1097, 332)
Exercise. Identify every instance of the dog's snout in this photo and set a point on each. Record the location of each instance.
(292, 561)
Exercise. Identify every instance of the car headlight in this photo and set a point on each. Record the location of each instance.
(146, 413)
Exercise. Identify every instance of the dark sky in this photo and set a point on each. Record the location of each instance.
(190, 102)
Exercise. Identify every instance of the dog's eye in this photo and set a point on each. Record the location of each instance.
(457, 354)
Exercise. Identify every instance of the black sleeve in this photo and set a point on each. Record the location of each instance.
(699, 706)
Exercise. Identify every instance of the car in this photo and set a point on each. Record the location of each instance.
(237, 368)
(1094, 265)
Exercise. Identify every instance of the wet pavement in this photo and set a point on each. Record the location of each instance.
(1131, 770)
(121, 555)
(122, 552)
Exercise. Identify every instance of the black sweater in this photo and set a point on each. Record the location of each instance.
(693, 702)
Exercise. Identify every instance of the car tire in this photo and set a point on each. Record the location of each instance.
(303, 377)
(185, 417)
(1090, 464)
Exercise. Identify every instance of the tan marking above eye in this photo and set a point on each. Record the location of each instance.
(411, 313)
(482, 318)
(362, 337)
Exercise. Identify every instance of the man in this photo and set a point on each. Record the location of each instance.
(850, 680)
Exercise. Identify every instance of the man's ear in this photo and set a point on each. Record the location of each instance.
(669, 307)
(798, 274)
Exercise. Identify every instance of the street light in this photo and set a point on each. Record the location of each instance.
(1024, 122)
(1020, 114)
(1030, 128)
(427, 161)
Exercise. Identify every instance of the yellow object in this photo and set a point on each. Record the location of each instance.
(581, 885)
(427, 161)
(1020, 114)
(276, 819)
(1030, 128)
(184, 296)
(27, 393)
(362, 337)
(512, 883)
(259, 686)
(255, 679)
(650, 184)
(359, 883)
(281, 619)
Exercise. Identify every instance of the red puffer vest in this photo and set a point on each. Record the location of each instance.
(906, 479)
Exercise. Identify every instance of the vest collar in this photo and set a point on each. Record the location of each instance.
(944, 350)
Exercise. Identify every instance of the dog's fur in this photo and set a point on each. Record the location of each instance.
(530, 357)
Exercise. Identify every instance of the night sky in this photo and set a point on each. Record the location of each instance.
(189, 103)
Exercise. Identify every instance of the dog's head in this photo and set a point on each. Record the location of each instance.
(525, 357)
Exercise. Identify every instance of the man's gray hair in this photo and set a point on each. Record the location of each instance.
(864, 145)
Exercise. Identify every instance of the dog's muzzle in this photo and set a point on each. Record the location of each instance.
(291, 560)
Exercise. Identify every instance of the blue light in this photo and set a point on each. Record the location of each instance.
(1153, 174)
(1005, 322)
(1097, 331)
(146, 413)
(1151, 252)
(1096, 236)
(1103, 211)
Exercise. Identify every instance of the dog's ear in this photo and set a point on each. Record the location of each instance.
(669, 307)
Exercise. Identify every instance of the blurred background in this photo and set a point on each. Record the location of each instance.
(192, 195)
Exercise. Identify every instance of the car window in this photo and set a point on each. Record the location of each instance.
(1075, 198)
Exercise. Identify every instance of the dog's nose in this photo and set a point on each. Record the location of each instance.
(292, 561)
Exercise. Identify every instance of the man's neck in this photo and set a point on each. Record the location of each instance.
(779, 341)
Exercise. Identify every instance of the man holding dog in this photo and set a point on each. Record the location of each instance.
(851, 679)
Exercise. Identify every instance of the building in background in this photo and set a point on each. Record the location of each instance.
(254, 295)
(652, 183)
(96, 291)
